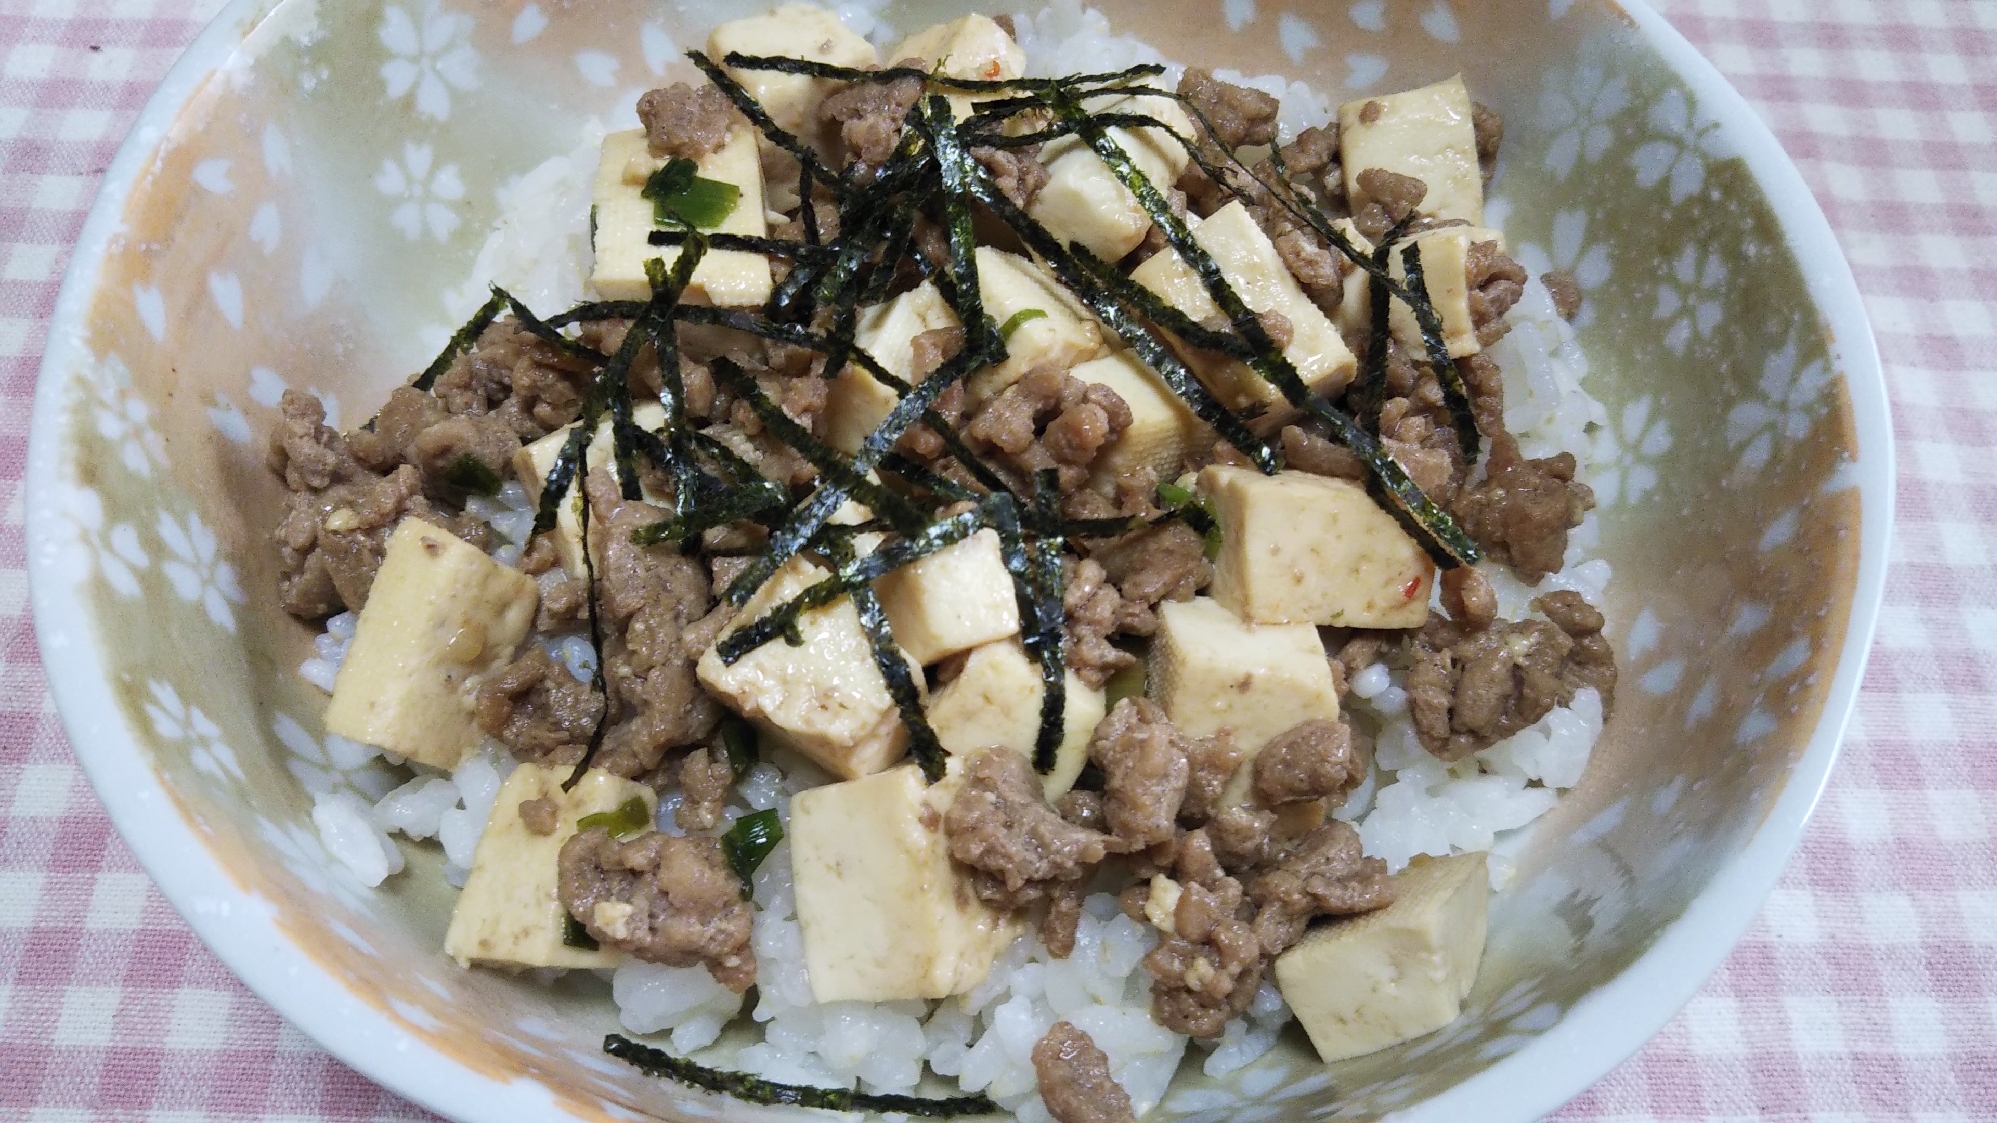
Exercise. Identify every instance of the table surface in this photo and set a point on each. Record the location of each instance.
(1866, 989)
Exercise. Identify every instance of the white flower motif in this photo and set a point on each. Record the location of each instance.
(430, 58)
(299, 849)
(124, 419)
(197, 569)
(1580, 107)
(1690, 137)
(1690, 297)
(1790, 399)
(426, 196)
(176, 720)
(1624, 462)
(113, 550)
(1570, 253)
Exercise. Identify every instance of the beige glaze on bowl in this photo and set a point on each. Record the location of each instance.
(301, 206)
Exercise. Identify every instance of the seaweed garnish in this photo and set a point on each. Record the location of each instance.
(462, 340)
(755, 1089)
(1454, 396)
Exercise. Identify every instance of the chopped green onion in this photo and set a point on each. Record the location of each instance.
(1126, 683)
(681, 197)
(1019, 320)
(739, 739)
(749, 841)
(470, 474)
(575, 935)
(1172, 495)
(632, 817)
(1196, 511)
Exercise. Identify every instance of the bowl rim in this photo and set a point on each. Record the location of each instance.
(1596, 1034)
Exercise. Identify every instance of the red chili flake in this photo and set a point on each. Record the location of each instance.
(1409, 590)
(992, 70)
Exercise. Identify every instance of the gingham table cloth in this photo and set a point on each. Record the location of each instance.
(1866, 989)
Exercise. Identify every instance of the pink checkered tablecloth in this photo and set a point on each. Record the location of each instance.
(1866, 990)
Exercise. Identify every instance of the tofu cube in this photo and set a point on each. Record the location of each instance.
(1083, 200)
(974, 47)
(885, 913)
(1211, 670)
(533, 463)
(856, 403)
(1066, 335)
(804, 31)
(1303, 549)
(953, 600)
(1425, 133)
(995, 701)
(1251, 265)
(440, 615)
(625, 218)
(509, 913)
(1363, 983)
(1354, 314)
(1161, 427)
(1444, 257)
(824, 698)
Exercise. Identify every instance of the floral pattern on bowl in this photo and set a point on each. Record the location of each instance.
(303, 213)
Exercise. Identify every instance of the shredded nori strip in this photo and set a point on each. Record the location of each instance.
(784, 65)
(462, 341)
(776, 134)
(904, 683)
(742, 1086)
(576, 936)
(1454, 395)
(1041, 620)
(471, 475)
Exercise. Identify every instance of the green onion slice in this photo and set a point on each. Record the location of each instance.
(683, 198)
(576, 936)
(1019, 320)
(738, 739)
(630, 818)
(749, 841)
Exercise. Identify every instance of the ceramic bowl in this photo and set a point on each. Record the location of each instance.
(311, 182)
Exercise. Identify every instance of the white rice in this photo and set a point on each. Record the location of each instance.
(1412, 804)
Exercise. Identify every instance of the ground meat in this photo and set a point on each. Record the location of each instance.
(1207, 970)
(1565, 290)
(1489, 126)
(1469, 687)
(1496, 282)
(1050, 419)
(929, 350)
(1017, 172)
(1063, 921)
(649, 597)
(1084, 809)
(1319, 455)
(331, 542)
(1485, 381)
(535, 387)
(1468, 597)
(306, 452)
(1092, 607)
(564, 604)
(1593, 663)
(539, 816)
(1074, 1079)
(1241, 837)
(536, 708)
(870, 115)
(1160, 563)
(1521, 511)
(1390, 197)
(1144, 766)
(1239, 116)
(1319, 268)
(539, 557)
(663, 899)
(685, 121)
(1360, 651)
(705, 778)
(1211, 763)
(458, 455)
(1314, 760)
(406, 414)
(1001, 827)
(1324, 874)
